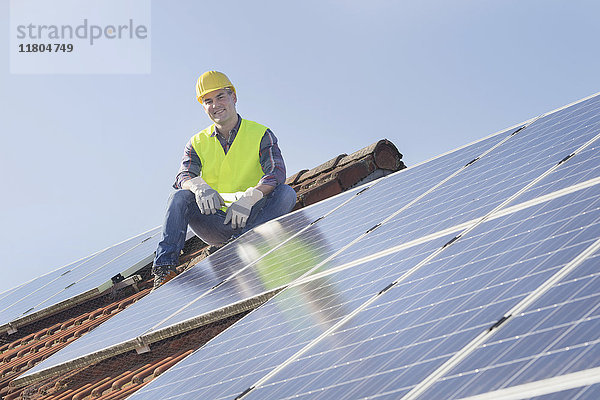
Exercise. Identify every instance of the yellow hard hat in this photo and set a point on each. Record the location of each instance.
(211, 81)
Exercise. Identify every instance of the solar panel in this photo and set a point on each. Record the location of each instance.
(557, 335)
(468, 286)
(255, 263)
(88, 276)
(416, 326)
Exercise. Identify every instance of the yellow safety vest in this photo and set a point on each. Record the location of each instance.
(237, 170)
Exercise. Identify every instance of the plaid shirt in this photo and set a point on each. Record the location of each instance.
(271, 159)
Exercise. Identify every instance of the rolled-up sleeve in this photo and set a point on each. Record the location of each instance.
(190, 166)
(271, 160)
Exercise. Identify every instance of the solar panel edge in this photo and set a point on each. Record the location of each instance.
(142, 342)
(247, 305)
(569, 105)
(49, 311)
(542, 387)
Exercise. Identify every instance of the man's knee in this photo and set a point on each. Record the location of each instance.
(287, 196)
(181, 198)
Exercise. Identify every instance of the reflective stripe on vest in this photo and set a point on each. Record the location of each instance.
(237, 170)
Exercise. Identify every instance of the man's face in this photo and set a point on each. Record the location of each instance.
(220, 106)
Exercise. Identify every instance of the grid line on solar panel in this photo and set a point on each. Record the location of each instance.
(490, 321)
(543, 387)
(435, 170)
(562, 326)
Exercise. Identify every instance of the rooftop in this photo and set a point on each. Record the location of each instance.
(28, 340)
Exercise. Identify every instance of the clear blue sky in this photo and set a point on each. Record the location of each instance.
(88, 160)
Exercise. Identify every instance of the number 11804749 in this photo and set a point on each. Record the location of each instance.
(45, 48)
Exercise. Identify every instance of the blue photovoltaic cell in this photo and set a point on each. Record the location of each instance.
(186, 296)
(269, 335)
(78, 277)
(558, 334)
(583, 167)
(420, 323)
(491, 180)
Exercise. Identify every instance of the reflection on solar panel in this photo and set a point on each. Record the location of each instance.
(83, 278)
(192, 288)
(487, 272)
(476, 264)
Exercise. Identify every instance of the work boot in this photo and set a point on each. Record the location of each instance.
(163, 275)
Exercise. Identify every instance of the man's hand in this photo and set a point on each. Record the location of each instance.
(208, 199)
(239, 211)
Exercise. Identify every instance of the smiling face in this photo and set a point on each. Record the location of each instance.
(220, 107)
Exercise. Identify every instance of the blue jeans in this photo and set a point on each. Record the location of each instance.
(182, 211)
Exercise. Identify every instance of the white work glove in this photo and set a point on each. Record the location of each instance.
(208, 199)
(239, 211)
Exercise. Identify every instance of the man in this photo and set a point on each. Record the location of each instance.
(231, 178)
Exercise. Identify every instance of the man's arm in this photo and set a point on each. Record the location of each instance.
(271, 162)
(190, 166)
